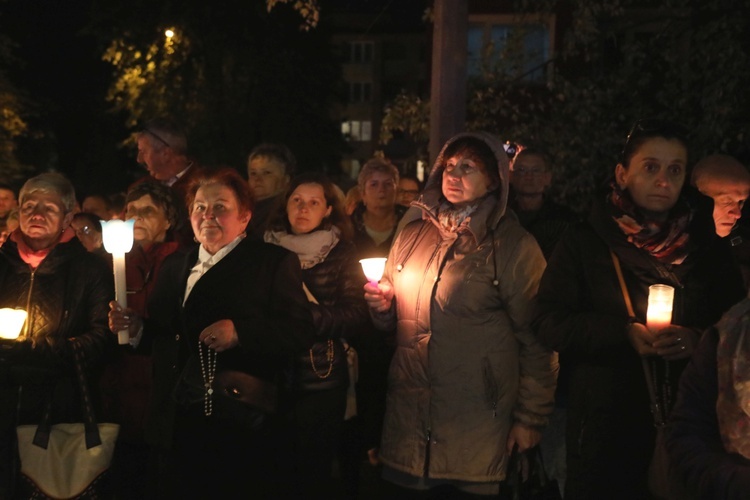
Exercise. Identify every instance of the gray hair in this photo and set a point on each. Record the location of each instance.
(50, 182)
(164, 132)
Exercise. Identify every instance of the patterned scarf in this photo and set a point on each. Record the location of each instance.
(451, 218)
(666, 241)
(311, 248)
(733, 363)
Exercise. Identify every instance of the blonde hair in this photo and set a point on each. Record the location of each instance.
(50, 182)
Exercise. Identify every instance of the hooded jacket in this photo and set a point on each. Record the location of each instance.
(466, 365)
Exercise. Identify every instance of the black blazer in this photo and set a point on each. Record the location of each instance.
(258, 286)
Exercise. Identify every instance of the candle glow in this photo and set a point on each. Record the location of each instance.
(373, 269)
(117, 236)
(11, 322)
(659, 312)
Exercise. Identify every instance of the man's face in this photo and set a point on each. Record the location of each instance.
(7, 201)
(530, 175)
(154, 158)
(729, 198)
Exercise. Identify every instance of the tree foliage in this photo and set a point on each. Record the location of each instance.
(233, 73)
(616, 61)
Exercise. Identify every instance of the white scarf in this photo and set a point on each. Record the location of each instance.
(311, 248)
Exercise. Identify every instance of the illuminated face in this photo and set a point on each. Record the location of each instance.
(655, 175)
(408, 190)
(529, 175)
(216, 217)
(151, 221)
(154, 157)
(380, 191)
(42, 219)
(7, 201)
(307, 208)
(729, 198)
(266, 177)
(465, 180)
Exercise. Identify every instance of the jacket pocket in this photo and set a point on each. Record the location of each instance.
(491, 390)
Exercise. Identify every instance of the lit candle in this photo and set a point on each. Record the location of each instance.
(373, 269)
(11, 322)
(117, 236)
(659, 312)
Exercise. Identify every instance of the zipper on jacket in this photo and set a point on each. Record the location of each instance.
(28, 304)
(427, 454)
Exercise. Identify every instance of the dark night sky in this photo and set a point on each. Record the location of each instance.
(62, 72)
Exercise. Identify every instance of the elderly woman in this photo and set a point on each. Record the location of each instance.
(127, 382)
(224, 318)
(643, 229)
(468, 382)
(315, 227)
(65, 290)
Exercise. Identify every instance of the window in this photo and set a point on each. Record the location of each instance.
(359, 52)
(518, 49)
(360, 91)
(357, 130)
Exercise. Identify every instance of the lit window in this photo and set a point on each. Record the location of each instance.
(356, 130)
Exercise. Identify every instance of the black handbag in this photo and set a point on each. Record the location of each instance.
(530, 484)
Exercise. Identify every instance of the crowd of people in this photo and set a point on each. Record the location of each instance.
(261, 362)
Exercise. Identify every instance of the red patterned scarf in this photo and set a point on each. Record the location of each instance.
(666, 241)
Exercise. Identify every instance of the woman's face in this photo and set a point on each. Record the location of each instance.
(306, 208)
(266, 177)
(380, 191)
(465, 180)
(655, 175)
(151, 221)
(42, 219)
(216, 217)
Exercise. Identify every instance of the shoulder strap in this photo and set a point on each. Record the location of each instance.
(623, 286)
(41, 436)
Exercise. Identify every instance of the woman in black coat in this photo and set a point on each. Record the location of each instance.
(658, 235)
(65, 290)
(225, 317)
(313, 225)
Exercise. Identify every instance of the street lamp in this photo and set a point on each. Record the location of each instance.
(117, 236)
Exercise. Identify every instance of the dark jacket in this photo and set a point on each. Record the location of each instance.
(701, 465)
(259, 287)
(67, 296)
(366, 246)
(581, 313)
(341, 312)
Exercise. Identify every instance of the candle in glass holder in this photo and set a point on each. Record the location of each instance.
(117, 236)
(11, 322)
(373, 269)
(659, 313)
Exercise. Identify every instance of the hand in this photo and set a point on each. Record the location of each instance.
(524, 436)
(379, 297)
(123, 319)
(641, 339)
(220, 335)
(675, 342)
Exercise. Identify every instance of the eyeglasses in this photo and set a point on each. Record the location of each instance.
(653, 127)
(142, 213)
(157, 136)
(84, 231)
(535, 172)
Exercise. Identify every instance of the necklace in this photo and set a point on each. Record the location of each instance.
(329, 358)
(208, 371)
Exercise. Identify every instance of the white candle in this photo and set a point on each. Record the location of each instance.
(373, 269)
(117, 236)
(659, 312)
(11, 322)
